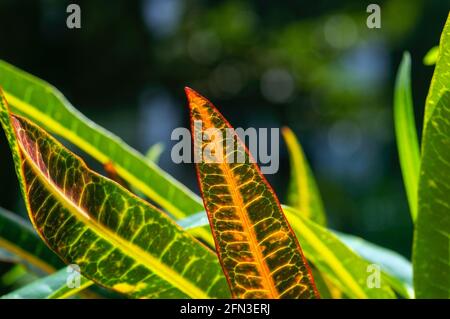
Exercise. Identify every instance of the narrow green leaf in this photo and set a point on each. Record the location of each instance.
(405, 129)
(45, 105)
(19, 238)
(397, 270)
(431, 250)
(303, 191)
(117, 239)
(440, 81)
(154, 152)
(432, 55)
(54, 286)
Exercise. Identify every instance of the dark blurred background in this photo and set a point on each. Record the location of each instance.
(310, 65)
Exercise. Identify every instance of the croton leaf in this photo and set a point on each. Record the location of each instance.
(259, 252)
(41, 102)
(117, 239)
(46, 106)
(342, 266)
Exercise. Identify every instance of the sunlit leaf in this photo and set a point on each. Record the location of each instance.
(321, 284)
(117, 239)
(431, 251)
(19, 238)
(440, 81)
(303, 191)
(431, 57)
(154, 152)
(336, 261)
(45, 105)
(406, 133)
(54, 286)
(259, 252)
(397, 271)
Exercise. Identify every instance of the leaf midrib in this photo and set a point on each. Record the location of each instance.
(140, 255)
(237, 198)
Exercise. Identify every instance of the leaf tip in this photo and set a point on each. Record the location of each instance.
(191, 94)
(195, 99)
(286, 131)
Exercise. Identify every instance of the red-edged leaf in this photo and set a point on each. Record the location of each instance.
(259, 252)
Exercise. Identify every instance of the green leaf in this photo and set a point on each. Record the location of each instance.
(397, 270)
(326, 251)
(303, 191)
(405, 129)
(45, 105)
(19, 238)
(20, 241)
(441, 78)
(321, 284)
(259, 252)
(431, 250)
(432, 55)
(154, 152)
(54, 286)
(117, 239)
(347, 270)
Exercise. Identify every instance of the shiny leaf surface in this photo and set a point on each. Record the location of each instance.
(396, 269)
(117, 239)
(258, 250)
(431, 250)
(337, 262)
(346, 269)
(45, 105)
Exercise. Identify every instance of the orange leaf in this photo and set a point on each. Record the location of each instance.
(258, 250)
